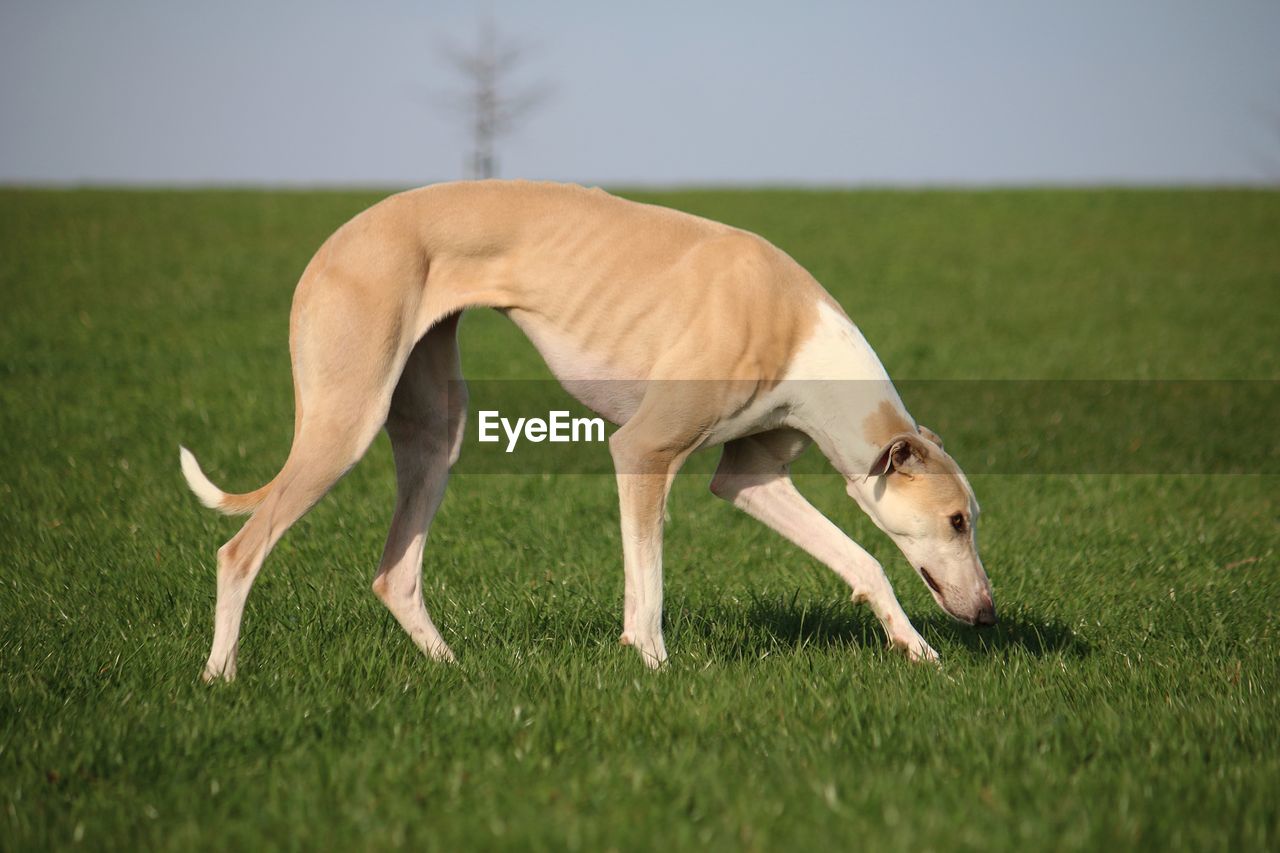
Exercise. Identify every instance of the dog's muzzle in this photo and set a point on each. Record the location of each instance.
(985, 616)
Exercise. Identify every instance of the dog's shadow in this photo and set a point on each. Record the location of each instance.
(774, 624)
(1018, 629)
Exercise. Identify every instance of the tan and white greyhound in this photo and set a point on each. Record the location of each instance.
(685, 332)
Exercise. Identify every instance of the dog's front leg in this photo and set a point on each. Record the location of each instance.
(754, 476)
(641, 498)
(644, 479)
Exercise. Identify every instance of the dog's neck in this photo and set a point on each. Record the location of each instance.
(842, 397)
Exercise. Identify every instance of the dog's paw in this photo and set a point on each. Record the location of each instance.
(441, 653)
(652, 652)
(916, 649)
(208, 676)
(219, 670)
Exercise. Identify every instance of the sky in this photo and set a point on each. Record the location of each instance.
(659, 93)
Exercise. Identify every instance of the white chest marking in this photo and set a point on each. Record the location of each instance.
(834, 381)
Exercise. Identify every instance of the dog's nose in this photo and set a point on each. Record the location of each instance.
(986, 615)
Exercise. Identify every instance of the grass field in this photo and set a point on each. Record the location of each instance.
(1128, 698)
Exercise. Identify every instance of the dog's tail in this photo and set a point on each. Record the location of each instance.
(213, 497)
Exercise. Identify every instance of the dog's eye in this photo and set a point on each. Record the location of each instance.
(957, 522)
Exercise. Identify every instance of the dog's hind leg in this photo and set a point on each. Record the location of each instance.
(323, 451)
(425, 423)
(344, 387)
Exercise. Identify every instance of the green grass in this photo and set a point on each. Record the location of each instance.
(1129, 697)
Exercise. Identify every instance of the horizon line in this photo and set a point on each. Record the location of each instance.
(767, 185)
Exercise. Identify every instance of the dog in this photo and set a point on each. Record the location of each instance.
(685, 332)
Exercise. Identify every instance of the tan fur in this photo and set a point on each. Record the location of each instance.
(935, 481)
(680, 329)
(935, 486)
(652, 291)
(884, 423)
(656, 293)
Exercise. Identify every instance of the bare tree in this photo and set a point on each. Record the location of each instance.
(492, 105)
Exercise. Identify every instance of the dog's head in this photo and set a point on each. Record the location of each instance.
(917, 494)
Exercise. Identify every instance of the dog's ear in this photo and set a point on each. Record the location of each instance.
(902, 454)
(930, 434)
